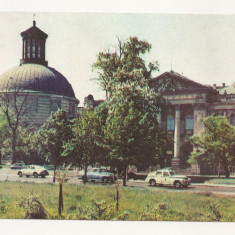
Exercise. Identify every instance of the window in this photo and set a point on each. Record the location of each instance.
(189, 122)
(159, 173)
(71, 109)
(39, 49)
(166, 174)
(28, 49)
(33, 48)
(170, 123)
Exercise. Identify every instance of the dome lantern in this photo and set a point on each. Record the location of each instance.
(33, 49)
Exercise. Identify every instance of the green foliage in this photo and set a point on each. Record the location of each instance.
(52, 136)
(34, 208)
(135, 203)
(124, 65)
(84, 148)
(131, 131)
(216, 145)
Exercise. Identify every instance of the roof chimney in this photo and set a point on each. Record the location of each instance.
(223, 84)
(34, 23)
(214, 86)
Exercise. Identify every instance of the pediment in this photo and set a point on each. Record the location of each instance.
(172, 82)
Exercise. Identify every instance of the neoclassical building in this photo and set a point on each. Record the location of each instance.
(189, 103)
(44, 88)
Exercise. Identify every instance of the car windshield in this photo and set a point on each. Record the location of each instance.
(172, 173)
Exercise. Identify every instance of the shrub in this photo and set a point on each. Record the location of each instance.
(34, 208)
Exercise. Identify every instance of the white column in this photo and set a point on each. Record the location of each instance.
(177, 133)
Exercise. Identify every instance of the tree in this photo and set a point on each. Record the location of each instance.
(131, 130)
(52, 136)
(85, 148)
(4, 134)
(16, 107)
(216, 145)
(124, 66)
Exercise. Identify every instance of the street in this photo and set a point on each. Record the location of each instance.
(11, 175)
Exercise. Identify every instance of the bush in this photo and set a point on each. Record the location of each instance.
(34, 208)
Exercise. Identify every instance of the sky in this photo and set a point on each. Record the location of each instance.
(199, 46)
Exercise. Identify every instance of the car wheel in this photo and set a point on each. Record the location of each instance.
(177, 184)
(20, 174)
(35, 174)
(152, 183)
(105, 180)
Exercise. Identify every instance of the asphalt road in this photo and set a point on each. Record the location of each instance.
(11, 175)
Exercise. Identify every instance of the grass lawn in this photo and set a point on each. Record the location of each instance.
(98, 202)
(221, 181)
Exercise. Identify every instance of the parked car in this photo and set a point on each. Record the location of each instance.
(33, 170)
(167, 177)
(17, 166)
(99, 175)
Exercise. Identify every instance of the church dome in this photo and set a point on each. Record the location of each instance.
(36, 77)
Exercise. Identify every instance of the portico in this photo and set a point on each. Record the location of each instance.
(188, 104)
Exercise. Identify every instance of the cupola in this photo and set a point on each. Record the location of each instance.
(33, 50)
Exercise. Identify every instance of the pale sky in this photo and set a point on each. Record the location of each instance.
(201, 47)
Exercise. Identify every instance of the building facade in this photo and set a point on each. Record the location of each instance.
(42, 88)
(188, 102)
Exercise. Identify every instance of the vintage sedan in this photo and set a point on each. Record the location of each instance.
(33, 170)
(99, 175)
(167, 177)
(17, 165)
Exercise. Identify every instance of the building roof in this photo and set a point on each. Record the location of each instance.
(227, 89)
(34, 31)
(36, 77)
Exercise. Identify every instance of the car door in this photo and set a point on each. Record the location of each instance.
(158, 177)
(166, 178)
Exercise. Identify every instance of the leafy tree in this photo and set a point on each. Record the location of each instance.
(124, 66)
(131, 131)
(85, 147)
(51, 137)
(4, 134)
(216, 145)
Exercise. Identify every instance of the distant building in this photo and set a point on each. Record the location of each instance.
(46, 89)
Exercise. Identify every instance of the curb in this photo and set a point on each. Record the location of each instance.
(196, 184)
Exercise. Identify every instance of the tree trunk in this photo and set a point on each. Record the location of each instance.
(85, 175)
(117, 198)
(227, 173)
(61, 204)
(54, 173)
(13, 146)
(125, 176)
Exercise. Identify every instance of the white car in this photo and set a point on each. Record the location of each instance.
(167, 177)
(33, 170)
